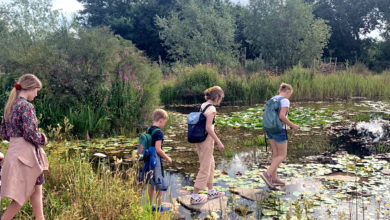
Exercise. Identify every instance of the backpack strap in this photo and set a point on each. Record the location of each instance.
(279, 99)
(149, 138)
(153, 132)
(205, 108)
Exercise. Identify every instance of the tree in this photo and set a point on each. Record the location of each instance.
(285, 33)
(200, 32)
(34, 17)
(350, 20)
(132, 19)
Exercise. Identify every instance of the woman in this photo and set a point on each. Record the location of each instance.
(205, 177)
(279, 140)
(22, 173)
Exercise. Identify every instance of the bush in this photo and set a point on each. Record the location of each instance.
(101, 82)
(191, 84)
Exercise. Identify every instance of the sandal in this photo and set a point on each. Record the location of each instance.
(199, 200)
(268, 180)
(215, 195)
(161, 208)
(278, 182)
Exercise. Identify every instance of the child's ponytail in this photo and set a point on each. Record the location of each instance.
(11, 99)
(25, 82)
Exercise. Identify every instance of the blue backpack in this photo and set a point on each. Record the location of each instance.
(147, 153)
(197, 126)
(271, 120)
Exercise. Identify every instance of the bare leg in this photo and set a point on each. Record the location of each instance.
(210, 186)
(196, 190)
(36, 203)
(282, 153)
(11, 211)
(159, 197)
(274, 155)
(151, 193)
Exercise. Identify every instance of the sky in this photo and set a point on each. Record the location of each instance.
(67, 6)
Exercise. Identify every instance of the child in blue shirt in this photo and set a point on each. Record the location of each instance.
(157, 181)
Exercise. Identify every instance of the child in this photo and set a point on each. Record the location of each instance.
(25, 161)
(205, 177)
(157, 181)
(279, 140)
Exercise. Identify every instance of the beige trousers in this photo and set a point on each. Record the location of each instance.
(205, 151)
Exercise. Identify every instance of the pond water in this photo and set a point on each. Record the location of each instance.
(358, 186)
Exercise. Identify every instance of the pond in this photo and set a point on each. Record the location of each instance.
(327, 177)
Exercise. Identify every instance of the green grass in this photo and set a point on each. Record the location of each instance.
(77, 189)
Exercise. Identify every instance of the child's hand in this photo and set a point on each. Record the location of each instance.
(169, 160)
(295, 127)
(1, 156)
(44, 136)
(221, 146)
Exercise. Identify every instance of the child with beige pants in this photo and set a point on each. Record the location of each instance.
(205, 149)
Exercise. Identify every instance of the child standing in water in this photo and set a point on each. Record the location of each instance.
(205, 177)
(157, 181)
(279, 140)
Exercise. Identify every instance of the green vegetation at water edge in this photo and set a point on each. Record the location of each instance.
(306, 117)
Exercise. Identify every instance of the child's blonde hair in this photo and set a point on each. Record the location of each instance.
(214, 93)
(25, 82)
(284, 87)
(159, 114)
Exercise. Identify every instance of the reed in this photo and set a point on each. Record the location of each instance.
(308, 84)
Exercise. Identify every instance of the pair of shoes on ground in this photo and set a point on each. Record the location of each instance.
(161, 208)
(210, 196)
(271, 182)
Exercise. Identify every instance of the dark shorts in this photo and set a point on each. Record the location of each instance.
(280, 137)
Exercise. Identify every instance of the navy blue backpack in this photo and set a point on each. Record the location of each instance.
(197, 126)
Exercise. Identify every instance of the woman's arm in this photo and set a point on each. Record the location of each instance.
(30, 127)
(3, 130)
(210, 130)
(284, 119)
(161, 153)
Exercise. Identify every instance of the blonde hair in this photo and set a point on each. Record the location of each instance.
(26, 82)
(284, 87)
(214, 93)
(159, 114)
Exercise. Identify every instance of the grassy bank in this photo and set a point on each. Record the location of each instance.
(77, 189)
(309, 85)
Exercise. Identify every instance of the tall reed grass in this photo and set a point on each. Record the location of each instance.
(308, 84)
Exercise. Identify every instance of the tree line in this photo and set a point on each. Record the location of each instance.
(275, 33)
